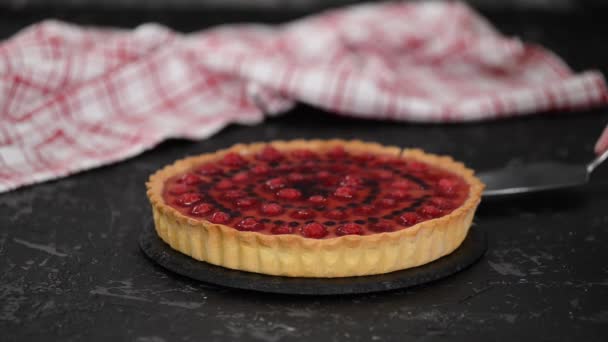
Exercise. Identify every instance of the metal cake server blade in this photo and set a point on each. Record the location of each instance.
(537, 177)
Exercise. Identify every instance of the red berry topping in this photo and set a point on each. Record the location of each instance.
(284, 168)
(336, 214)
(295, 177)
(323, 175)
(409, 219)
(209, 170)
(250, 224)
(429, 211)
(337, 168)
(365, 210)
(303, 214)
(271, 209)
(442, 203)
(383, 174)
(337, 152)
(314, 230)
(386, 203)
(417, 166)
(246, 202)
(381, 227)
(349, 229)
(289, 194)
(351, 181)
(397, 194)
(220, 217)
(202, 209)
(260, 170)
(178, 189)
(304, 154)
(240, 177)
(270, 154)
(344, 192)
(364, 158)
(234, 194)
(234, 159)
(224, 184)
(317, 199)
(446, 186)
(280, 229)
(404, 184)
(276, 183)
(188, 199)
(190, 179)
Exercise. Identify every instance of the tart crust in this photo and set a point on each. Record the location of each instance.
(297, 256)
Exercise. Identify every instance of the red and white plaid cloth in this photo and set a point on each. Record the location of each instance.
(74, 98)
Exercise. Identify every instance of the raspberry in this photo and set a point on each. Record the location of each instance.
(188, 199)
(270, 154)
(295, 177)
(271, 209)
(260, 169)
(442, 203)
(209, 170)
(336, 214)
(383, 174)
(250, 224)
(352, 181)
(240, 177)
(409, 219)
(446, 186)
(397, 194)
(344, 192)
(429, 211)
(234, 159)
(220, 217)
(289, 194)
(403, 184)
(303, 154)
(314, 230)
(317, 199)
(349, 229)
(303, 214)
(276, 183)
(386, 203)
(246, 202)
(202, 209)
(322, 175)
(281, 229)
(337, 152)
(224, 184)
(190, 179)
(364, 158)
(234, 194)
(178, 189)
(417, 166)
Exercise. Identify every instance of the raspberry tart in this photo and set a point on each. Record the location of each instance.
(314, 208)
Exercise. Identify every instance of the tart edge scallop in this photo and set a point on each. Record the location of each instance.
(297, 256)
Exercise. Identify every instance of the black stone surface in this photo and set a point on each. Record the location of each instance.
(471, 249)
(71, 268)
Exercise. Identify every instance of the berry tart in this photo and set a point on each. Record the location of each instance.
(318, 208)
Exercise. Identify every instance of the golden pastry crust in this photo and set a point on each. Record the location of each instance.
(297, 256)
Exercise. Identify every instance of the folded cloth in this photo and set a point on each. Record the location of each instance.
(75, 98)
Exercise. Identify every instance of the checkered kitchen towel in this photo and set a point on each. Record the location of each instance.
(74, 98)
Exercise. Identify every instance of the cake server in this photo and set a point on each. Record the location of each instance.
(535, 177)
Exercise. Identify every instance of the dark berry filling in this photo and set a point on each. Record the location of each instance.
(315, 195)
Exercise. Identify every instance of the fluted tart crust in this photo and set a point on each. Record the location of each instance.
(342, 250)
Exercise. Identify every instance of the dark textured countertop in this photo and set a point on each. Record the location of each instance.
(71, 268)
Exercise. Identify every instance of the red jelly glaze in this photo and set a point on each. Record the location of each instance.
(315, 194)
